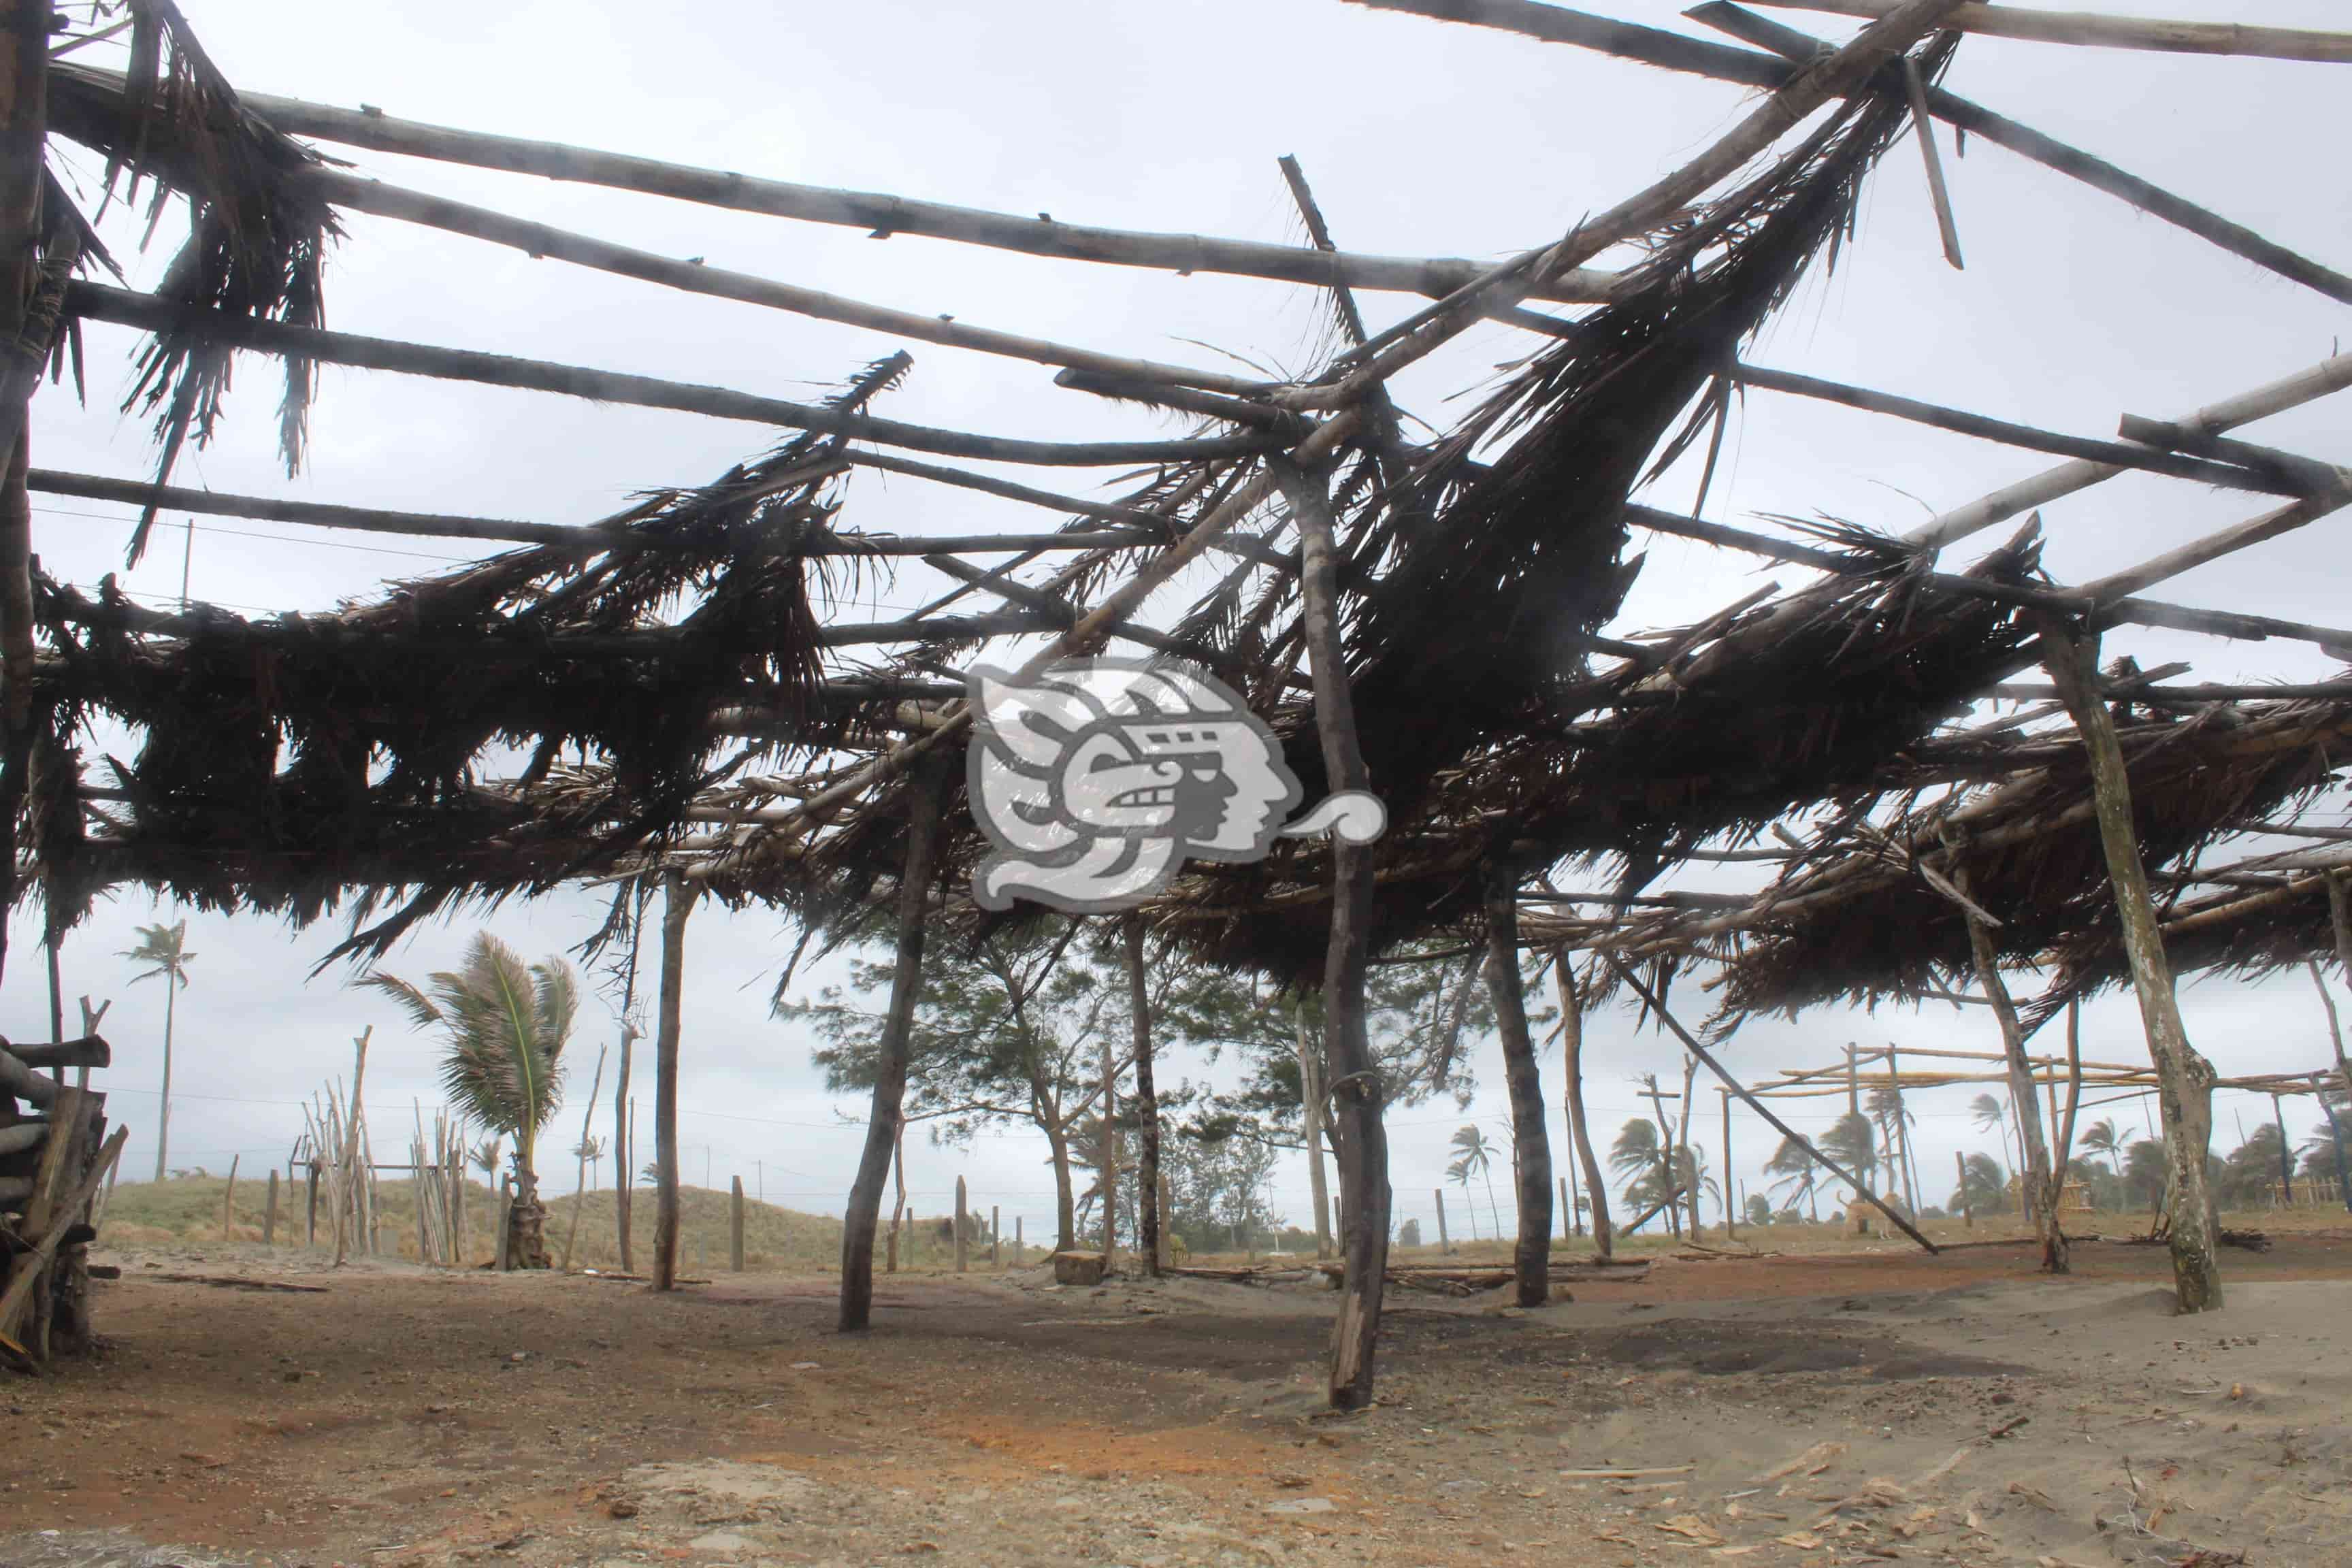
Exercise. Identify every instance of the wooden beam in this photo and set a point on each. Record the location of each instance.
(2213, 546)
(2100, 31)
(2116, 454)
(1835, 75)
(2331, 374)
(538, 239)
(97, 302)
(2053, 154)
(884, 215)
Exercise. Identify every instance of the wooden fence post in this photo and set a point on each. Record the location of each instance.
(269, 1213)
(735, 1227)
(995, 1242)
(311, 1207)
(1016, 1241)
(1167, 1237)
(961, 1258)
(1567, 1211)
(228, 1201)
(1444, 1245)
(1960, 1168)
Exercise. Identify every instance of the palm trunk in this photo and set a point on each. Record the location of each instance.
(1311, 1085)
(624, 1157)
(677, 902)
(1530, 1149)
(164, 1109)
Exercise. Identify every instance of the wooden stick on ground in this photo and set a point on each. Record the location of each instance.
(1690, 1043)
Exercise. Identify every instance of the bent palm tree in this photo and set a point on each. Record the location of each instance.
(1638, 1155)
(163, 949)
(1794, 1165)
(1479, 1155)
(1992, 1115)
(2101, 1138)
(503, 1026)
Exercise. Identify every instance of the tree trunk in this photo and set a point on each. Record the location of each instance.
(898, 1199)
(2185, 1078)
(624, 1157)
(1572, 1025)
(1146, 1102)
(1107, 1152)
(677, 903)
(1532, 1163)
(924, 790)
(2042, 1190)
(1066, 1203)
(1357, 1090)
(1311, 1099)
(163, 1106)
(1685, 1165)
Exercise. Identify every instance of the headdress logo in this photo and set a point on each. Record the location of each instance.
(1096, 779)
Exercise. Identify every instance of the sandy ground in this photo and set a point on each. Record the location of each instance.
(1956, 1409)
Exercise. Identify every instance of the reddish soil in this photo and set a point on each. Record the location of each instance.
(411, 1417)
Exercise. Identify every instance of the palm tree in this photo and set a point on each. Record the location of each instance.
(1992, 1115)
(2101, 1138)
(504, 1026)
(163, 951)
(1459, 1172)
(1639, 1155)
(1984, 1186)
(1477, 1154)
(1796, 1170)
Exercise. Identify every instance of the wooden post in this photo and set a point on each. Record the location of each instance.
(678, 902)
(1018, 1247)
(996, 1238)
(1363, 1145)
(897, 1203)
(1445, 1245)
(1147, 1097)
(1730, 1226)
(859, 1222)
(1668, 1178)
(1532, 1149)
(228, 1202)
(962, 1261)
(311, 1207)
(1314, 1104)
(1571, 1035)
(269, 1212)
(1960, 1171)
(1567, 1210)
(1108, 1155)
(735, 1226)
(2287, 1154)
(579, 1179)
(623, 1156)
(1690, 1043)
(2185, 1078)
(1166, 1237)
(2042, 1186)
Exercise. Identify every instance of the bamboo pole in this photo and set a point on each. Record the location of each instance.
(2187, 1078)
(2213, 546)
(1914, 86)
(1530, 1149)
(2102, 31)
(1690, 1043)
(887, 1117)
(678, 902)
(1364, 1149)
(1835, 76)
(884, 215)
(538, 239)
(1674, 52)
(2115, 453)
(2329, 375)
(148, 312)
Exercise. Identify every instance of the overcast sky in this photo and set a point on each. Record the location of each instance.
(1419, 139)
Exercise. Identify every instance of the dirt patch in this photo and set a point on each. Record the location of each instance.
(1956, 1409)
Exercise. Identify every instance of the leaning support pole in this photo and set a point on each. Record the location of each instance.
(677, 900)
(1147, 1099)
(2042, 1186)
(1690, 1044)
(1531, 1163)
(2185, 1078)
(1354, 1088)
(928, 774)
(1571, 1035)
